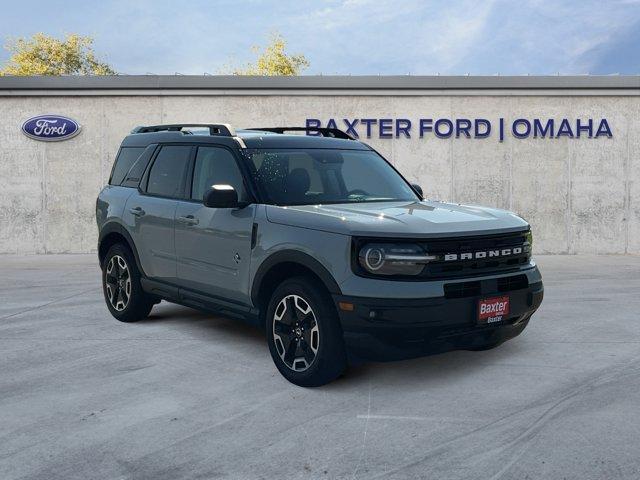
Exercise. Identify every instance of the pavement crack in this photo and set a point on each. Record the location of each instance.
(37, 307)
(364, 435)
(529, 430)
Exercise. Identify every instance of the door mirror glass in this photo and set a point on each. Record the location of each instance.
(221, 196)
(418, 189)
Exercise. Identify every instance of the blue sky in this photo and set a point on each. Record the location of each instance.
(348, 36)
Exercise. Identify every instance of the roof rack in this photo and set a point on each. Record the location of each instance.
(325, 132)
(216, 129)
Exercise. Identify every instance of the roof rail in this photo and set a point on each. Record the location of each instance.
(216, 129)
(325, 132)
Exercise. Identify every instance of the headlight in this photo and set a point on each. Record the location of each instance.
(529, 237)
(393, 258)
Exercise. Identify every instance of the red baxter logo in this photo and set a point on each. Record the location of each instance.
(493, 309)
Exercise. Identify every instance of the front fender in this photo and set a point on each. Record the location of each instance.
(294, 256)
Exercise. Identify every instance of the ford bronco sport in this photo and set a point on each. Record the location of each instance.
(316, 238)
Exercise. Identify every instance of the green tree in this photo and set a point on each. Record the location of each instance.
(45, 55)
(273, 60)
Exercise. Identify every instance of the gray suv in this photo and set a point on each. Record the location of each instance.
(314, 237)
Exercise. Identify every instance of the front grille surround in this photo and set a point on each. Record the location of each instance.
(440, 247)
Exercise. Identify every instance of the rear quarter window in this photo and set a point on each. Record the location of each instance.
(125, 159)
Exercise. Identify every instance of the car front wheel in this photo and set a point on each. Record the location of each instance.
(304, 334)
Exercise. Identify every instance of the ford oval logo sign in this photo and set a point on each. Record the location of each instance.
(50, 128)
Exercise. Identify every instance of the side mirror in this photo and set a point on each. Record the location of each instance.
(418, 189)
(221, 196)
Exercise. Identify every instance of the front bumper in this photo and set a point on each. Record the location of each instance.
(391, 329)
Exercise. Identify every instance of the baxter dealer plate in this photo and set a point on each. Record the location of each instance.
(493, 310)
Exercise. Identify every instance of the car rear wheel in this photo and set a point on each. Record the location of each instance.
(304, 334)
(123, 292)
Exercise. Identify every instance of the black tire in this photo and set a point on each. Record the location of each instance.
(127, 302)
(308, 368)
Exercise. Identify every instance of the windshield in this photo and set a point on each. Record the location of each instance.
(314, 176)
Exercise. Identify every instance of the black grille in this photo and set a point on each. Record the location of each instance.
(515, 282)
(475, 266)
(485, 287)
(462, 289)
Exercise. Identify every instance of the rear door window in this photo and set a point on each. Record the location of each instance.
(167, 174)
(125, 159)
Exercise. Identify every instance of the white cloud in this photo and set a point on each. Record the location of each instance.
(453, 33)
(348, 36)
(376, 36)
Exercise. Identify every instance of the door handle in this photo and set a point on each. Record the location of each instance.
(137, 211)
(188, 220)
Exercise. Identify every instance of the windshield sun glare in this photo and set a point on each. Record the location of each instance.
(317, 176)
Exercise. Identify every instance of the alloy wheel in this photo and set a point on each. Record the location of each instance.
(295, 333)
(118, 283)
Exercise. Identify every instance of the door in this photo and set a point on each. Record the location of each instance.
(151, 212)
(213, 245)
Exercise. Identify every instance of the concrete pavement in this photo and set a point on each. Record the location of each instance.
(188, 395)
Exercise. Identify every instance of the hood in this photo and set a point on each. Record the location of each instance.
(398, 219)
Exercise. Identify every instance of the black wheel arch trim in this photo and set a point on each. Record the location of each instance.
(116, 227)
(293, 256)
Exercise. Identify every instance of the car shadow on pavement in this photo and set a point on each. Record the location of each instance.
(416, 371)
(203, 322)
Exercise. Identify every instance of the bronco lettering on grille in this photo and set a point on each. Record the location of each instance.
(504, 252)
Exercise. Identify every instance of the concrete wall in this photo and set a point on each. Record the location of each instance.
(580, 195)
